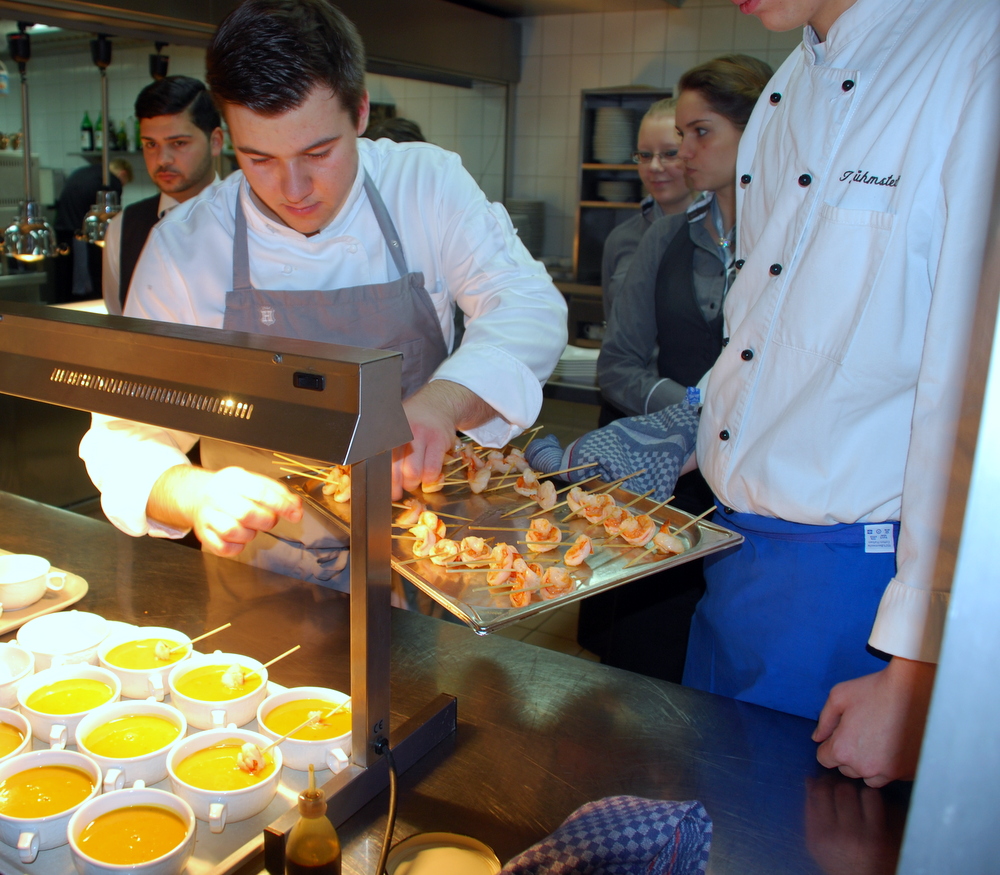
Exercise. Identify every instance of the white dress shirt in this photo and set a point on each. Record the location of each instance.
(866, 172)
(111, 272)
(465, 246)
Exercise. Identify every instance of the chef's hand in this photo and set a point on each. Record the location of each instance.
(225, 508)
(849, 829)
(871, 727)
(435, 413)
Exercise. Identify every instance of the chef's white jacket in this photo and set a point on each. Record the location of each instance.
(466, 247)
(865, 176)
(112, 256)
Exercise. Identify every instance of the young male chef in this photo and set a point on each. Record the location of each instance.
(327, 236)
(180, 135)
(864, 180)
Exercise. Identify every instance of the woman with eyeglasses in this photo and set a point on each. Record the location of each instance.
(671, 298)
(662, 175)
(663, 335)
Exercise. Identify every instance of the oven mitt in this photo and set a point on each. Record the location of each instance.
(623, 835)
(658, 442)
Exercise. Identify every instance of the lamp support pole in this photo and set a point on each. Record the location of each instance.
(105, 171)
(25, 131)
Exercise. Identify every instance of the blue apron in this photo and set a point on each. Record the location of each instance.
(787, 615)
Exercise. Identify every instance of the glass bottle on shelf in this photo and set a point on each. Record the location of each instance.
(99, 132)
(86, 133)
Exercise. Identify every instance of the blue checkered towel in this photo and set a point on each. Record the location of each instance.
(623, 835)
(658, 444)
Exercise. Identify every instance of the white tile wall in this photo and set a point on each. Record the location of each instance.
(469, 121)
(561, 55)
(564, 54)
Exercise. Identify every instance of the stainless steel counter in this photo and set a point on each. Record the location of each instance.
(539, 733)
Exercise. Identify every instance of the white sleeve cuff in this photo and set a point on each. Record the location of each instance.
(910, 622)
(503, 382)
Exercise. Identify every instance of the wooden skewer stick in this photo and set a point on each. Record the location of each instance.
(298, 463)
(450, 516)
(534, 433)
(201, 637)
(645, 553)
(639, 498)
(690, 523)
(568, 470)
(514, 473)
(306, 475)
(288, 652)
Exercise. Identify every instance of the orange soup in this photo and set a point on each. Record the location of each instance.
(288, 715)
(70, 696)
(44, 790)
(131, 835)
(141, 655)
(205, 683)
(132, 735)
(215, 768)
(10, 738)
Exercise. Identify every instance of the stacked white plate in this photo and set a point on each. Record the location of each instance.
(614, 135)
(577, 365)
(529, 219)
(616, 190)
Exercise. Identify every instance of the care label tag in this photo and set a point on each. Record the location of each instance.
(879, 539)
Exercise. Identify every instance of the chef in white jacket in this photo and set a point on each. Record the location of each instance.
(324, 236)
(830, 422)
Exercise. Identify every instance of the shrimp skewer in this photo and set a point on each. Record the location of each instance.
(543, 536)
(556, 581)
(637, 531)
(578, 553)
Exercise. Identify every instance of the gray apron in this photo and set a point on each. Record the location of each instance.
(397, 315)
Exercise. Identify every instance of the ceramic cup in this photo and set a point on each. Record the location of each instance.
(143, 683)
(34, 834)
(220, 807)
(323, 753)
(59, 729)
(65, 638)
(16, 664)
(203, 714)
(18, 721)
(149, 768)
(171, 863)
(24, 579)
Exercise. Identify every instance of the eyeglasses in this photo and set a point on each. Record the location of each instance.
(647, 157)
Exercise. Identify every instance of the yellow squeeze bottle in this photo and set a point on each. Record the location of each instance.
(312, 847)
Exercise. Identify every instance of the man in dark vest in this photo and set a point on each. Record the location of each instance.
(180, 135)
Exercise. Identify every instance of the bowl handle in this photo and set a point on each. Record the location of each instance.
(27, 846)
(218, 718)
(114, 779)
(337, 760)
(57, 736)
(217, 816)
(156, 686)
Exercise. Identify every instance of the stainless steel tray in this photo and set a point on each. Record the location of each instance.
(465, 594)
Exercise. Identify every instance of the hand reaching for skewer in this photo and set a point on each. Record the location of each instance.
(435, 413)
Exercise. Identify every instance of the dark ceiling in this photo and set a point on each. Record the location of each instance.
(522, 8)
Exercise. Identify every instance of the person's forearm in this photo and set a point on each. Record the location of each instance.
(468, 409)
(174, 496)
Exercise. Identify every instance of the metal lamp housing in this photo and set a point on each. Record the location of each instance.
(95, 223)
(30, 237)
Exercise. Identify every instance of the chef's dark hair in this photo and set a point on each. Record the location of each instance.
(174, 94)
(268, 55)
(730, 85)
